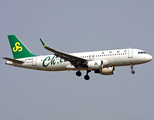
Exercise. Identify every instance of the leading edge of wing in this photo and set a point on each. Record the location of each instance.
(62, 55)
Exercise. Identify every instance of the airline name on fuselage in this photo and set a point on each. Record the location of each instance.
(51, 61)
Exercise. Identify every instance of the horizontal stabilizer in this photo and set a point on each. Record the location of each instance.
(13, 60)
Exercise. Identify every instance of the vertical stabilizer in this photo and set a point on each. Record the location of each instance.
(19, 50)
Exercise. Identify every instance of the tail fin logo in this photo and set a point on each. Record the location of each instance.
(17, 47)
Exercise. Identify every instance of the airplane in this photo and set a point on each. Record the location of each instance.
(102, 62)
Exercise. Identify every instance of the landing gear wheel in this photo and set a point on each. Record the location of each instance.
(86, 77)
(78, 73)
(133, 72)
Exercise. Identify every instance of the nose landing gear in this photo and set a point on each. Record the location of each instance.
(132, 71)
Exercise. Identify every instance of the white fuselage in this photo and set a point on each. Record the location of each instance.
(111, 58)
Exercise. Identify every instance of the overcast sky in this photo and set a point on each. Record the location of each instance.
(74, 26)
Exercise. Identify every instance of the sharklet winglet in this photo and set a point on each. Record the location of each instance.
(43, 43)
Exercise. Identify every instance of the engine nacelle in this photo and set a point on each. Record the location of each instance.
(96, 64)
(106, 71)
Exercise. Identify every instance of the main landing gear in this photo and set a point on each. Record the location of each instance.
(132, 71)
(86, 77)
(78, 73)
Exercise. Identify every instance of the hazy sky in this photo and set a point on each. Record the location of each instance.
(74, 26)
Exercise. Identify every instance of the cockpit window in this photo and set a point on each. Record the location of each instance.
(141, 52)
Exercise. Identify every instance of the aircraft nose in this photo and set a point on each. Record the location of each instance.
(149, 57)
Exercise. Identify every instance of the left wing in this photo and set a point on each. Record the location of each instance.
(75, 61)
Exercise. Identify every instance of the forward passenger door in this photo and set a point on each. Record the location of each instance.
(130, 53)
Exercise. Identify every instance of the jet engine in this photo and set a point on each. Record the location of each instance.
(106, 71)
(96, 64)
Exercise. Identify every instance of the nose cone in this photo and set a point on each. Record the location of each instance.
(149, 57)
